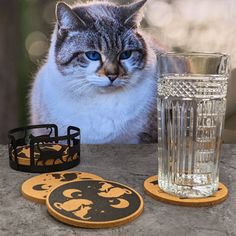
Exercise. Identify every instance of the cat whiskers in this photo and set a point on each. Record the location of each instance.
(79, 87)
(123, 84)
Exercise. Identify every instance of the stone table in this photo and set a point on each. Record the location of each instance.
(127, 164)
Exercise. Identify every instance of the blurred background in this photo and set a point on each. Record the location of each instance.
(179, 25)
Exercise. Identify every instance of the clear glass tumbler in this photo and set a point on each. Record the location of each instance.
(192, 92)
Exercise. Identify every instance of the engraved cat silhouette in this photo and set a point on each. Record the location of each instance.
(73, 205)
(109, 191)
(83, 212)
(105, 187)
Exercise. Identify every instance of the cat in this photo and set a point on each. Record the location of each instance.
(100, 75)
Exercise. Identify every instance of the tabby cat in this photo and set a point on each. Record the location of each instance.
(100, 75)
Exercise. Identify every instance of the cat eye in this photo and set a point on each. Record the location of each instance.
(93, 55)
(125, 55)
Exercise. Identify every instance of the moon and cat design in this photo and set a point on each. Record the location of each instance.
(93, 201)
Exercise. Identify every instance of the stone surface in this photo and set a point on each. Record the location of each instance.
(130, 165)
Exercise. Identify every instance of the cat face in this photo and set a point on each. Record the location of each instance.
(98, 44)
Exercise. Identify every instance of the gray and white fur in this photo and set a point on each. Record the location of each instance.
(100, 75)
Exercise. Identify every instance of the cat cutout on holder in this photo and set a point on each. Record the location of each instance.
(45, 152)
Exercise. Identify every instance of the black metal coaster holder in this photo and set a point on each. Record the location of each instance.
(72, 140)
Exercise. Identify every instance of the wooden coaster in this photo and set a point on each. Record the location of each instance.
(38, 187)
(23, 154)
(94, 204)
(151, 188)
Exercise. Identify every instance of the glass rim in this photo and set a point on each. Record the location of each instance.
(221, 56)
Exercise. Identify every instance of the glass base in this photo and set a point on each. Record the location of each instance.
(185, 191)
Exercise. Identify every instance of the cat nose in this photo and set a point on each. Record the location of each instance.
(112, 77)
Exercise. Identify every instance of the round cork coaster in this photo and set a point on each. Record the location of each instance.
(151, 188)
(94, 204)
(23, 154)
(38, 187)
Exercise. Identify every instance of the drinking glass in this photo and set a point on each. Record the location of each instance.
(192, 90)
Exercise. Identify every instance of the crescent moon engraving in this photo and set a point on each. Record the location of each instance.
(68, 193)
(114, 192)
(122, 203)
(41, 187)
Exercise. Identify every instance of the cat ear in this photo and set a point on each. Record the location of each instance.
(67, 19)
(130, 13)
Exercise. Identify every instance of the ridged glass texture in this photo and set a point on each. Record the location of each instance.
(191, 110)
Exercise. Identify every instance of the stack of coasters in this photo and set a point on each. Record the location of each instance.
(152, 189)
(84, 200)
(39, 148)
(23, 154)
